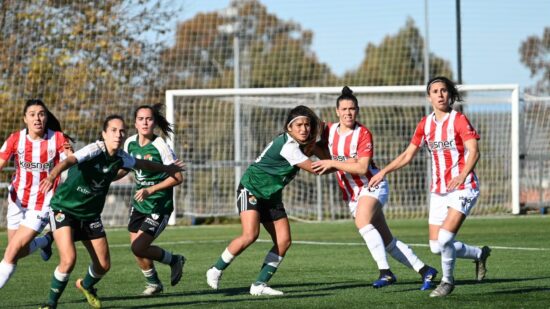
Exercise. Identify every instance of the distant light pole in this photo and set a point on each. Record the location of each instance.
(458, 43)
(426, 45)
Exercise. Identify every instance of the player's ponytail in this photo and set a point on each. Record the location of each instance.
(347, 94)
(51, 123)
(160, 121)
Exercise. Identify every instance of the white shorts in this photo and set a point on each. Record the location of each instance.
(381, 192)
(33, 219)
(461, 200)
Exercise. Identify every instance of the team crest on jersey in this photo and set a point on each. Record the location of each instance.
(60, 217)
(148, 157)
(51, 153)
(252, 200)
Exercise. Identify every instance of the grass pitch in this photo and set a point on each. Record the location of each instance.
(328, 266)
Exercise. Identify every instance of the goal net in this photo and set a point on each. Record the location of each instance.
(219, 132)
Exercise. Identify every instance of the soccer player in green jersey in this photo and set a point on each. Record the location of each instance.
(153, 198)
(79, 201)
(259, 197)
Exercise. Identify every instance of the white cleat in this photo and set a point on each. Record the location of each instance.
(213, 277)
(263, 289)
(152, 289)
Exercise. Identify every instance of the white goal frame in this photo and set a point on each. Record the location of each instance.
(236, 93)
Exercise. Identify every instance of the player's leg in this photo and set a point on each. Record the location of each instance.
(153, 284)
(365, 211)
(98, 249)
(403, 253)
(63, 236)
(247, 205)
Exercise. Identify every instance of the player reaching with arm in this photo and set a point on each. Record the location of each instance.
(153, 198)
(452, 143)
(36, 150)
(351, 148)
(79, 201)
(259, 198)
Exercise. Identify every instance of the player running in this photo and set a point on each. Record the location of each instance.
(153, 198)
(79, 201)
(351, 151)
(259, 197)
(36, 150)
(452, 143)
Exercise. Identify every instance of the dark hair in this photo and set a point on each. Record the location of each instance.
(347, 94)
(109, 118)
(160, 120)
(454, 95)
(314, 121)
(52, 123)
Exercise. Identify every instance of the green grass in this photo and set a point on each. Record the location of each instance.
(336, 274)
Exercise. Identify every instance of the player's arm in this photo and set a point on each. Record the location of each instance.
(171, 169)
(169, 182)
(473, 157)
(47, 183)
(401, 160)
(353, 166)
(121, 173)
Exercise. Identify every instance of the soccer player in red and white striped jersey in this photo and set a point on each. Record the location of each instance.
(35, 151)
(452, 143)
(352, 150)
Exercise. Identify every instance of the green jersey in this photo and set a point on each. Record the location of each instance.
(83, 193)
(274, 168)
(161, 202)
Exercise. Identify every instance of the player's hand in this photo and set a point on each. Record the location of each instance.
(322, 166)
(177, 166)
(455, 182)
(142, 194)
(45, 185)
(376, 179)
(68, 147)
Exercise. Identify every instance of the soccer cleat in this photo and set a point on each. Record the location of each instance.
(90, 294)
(428, 278)
(47, 306)
(176, 270)
(213, 277)
(384, 280)
(263, 289)
(46, 252)
(443, 289)
(152, 289)
(481, 263)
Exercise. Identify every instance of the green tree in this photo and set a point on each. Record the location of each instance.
(535, 55)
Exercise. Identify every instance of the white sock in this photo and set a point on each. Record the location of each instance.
(404, 254)
(93, 273)
(38, 243)
(465, 251)
(227, 256)
(273, 259)
(6, 270)
(448, 254)
(149, 272)
(376, 245)
(63, 277)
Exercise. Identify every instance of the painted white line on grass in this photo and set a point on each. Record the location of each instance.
(305, 242)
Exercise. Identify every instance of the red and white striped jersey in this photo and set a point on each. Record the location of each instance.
(445, 141)
(33, 162)
(352, 144)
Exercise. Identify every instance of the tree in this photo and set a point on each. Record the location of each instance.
(273, 52)
(535, 55)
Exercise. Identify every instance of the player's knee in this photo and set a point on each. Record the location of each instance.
(249, 238)
(435, 247)
(283, 245)
(138, 249)
(103, 267)
(445, 238)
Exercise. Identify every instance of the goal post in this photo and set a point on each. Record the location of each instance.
(219, 132)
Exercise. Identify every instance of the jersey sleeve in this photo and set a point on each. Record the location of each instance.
(89, 151)
(8, 147)
(60, 142)
(293, 154)
(418, 136)
(464, 129)
(365, 146)
(166, 153)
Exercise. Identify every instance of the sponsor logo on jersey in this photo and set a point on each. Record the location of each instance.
(36, 165)
(339, 158)
(151, 222)
(60, 217)
(252, 200)
(441, 145)
(83, 190)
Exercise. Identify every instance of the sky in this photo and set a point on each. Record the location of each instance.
(492, 30)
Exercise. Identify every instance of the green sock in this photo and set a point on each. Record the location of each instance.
(90, 281)
(56, 289)
(266, 273)
(220, 264)
(151, 276)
